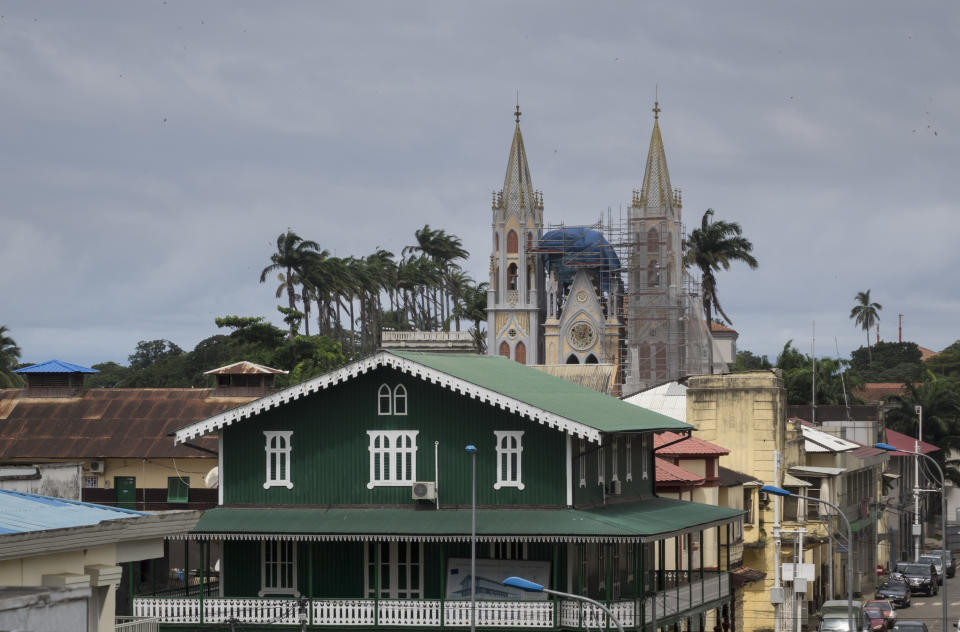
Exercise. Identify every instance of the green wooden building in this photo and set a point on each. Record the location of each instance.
(346, 502)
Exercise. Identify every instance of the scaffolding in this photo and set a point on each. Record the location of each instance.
(653, 296)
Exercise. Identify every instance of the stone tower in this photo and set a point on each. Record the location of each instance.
(666, 337)
(515, 297)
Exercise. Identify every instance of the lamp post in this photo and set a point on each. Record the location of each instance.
(943, 516)
(779, 491)
(472, 451)
(526, 584)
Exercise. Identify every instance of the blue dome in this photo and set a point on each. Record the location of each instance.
(565, 250)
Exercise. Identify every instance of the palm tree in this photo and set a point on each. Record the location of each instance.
(712, 246)
(866, 315)
(940, 400)
(9, 358)
(291, 258)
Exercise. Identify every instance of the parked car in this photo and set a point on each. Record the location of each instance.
(920, 577)
(936, 560)
(875, 619)
(896, 591)
(951, 562)
(910, 626)
(834, 616)
(886, 607)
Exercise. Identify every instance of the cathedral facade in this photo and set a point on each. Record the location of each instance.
(567, 296)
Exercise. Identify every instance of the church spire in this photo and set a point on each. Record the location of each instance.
(656, 189)
(518, 193)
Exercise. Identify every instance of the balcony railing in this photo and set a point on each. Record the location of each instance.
(136, 624)
(431, 613)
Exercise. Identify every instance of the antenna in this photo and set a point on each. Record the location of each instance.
(843, 383)
(813, 375)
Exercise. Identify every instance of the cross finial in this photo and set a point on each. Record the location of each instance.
(518, 113)
(656, 110)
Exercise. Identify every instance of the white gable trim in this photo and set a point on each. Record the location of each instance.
(293, 393)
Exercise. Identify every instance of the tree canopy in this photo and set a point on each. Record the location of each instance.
(889, 362)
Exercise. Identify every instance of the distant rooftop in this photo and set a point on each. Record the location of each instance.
(245, 368)
(55, 366)
(21, 513)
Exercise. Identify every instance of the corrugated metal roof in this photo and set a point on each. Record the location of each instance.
(597, 377)
(667, 472)
(55, 366)
(820, 441)
(810, 470)
(245, 368)
(498, 381)
(105, 423)
(645, 518)
(677, 445)
(21, 513)
(904, 442)
(668, 399)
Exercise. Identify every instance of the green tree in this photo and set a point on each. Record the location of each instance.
(946, 363)
(715, 245)
(291, 259)
(111, 375)
(832, 377)
(322, 356)
(865, 315)
(747, 361)
(9, 360)
(940, 400)
(889, 362)
(149, 352)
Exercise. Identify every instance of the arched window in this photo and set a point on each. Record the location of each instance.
(504, 349)
(653, 238)
(653, 273)
(512, 246)
(400, 400)
(496, 242)
(384, 401)
(520, 353)
(591, 359)
(512, 276)
(572, 359)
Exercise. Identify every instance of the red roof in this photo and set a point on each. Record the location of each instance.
(667, 472)
(876, 391)
(691, 446)
(718, 328)
(925, 353)
(902, 442)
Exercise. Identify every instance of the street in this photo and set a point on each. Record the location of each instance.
(927, 609)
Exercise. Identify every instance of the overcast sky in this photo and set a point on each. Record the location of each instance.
(151, 152)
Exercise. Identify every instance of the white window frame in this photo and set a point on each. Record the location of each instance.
(414, 559)
(391, 451)
(384, 396)
(509, 444)
(280, 549)
(277, 449)
(399, 395)
(629, 458)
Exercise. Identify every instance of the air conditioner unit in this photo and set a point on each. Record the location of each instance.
(424, 490)
(764, 497)
(96, 467)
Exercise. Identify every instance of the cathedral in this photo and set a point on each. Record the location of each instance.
(577, 295)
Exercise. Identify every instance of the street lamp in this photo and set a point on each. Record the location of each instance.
(779, 491)
(472, 451)
(943, 516)
(526, 584)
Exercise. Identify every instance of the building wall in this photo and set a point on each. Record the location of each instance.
(61, 480)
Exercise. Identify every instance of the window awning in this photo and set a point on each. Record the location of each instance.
(646, 520)
(792, 481)
(811, 470)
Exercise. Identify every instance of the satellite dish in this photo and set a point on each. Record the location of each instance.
(212, 479)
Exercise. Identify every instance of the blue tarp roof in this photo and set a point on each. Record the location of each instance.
(569, 249)
(55, 366)
(21, 512)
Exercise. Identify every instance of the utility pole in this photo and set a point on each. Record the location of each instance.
(776, 593)
(917, 530)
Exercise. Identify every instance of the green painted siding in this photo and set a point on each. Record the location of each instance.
(330, 457)
(592, 493)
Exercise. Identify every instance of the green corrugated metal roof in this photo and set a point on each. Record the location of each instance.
(536, 388)
(646, 519)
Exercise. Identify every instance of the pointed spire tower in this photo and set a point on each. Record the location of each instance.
(658, 348)
(514, 300)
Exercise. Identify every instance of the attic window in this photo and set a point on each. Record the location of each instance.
(509, 452)
(178, 489)
(278, 450)
(392, 402)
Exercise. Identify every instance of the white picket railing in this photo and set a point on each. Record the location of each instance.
(136, 624)
(426, 612)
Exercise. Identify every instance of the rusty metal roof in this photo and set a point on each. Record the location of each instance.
(106, 423)
(245, 368)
